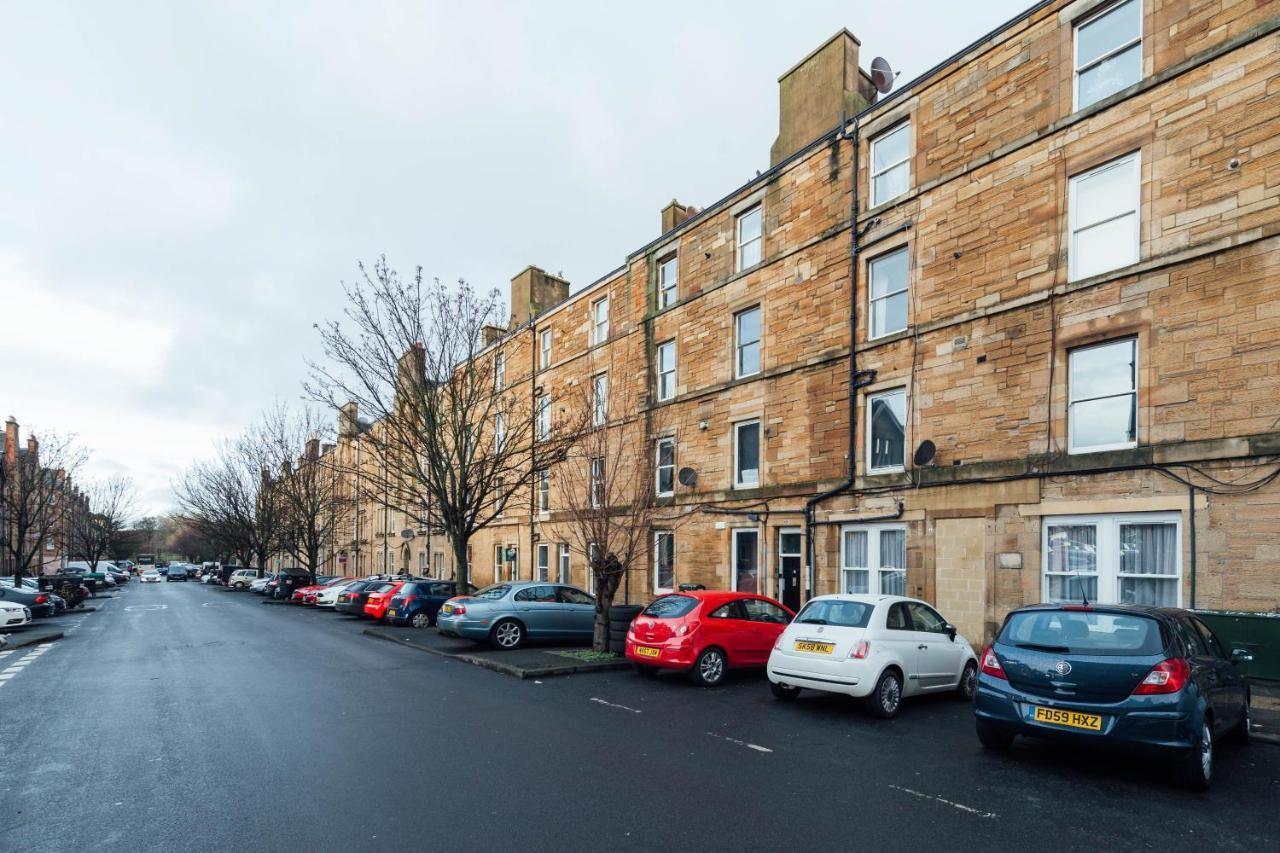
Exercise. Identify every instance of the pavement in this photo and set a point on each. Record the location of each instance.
(176, 718)
(1265, 709)
(33, 634)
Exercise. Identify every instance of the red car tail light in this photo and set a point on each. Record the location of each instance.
(991, 664)
(777, 644)
(42, 599)
(686, 628)
(1168, 676)
(861, 650)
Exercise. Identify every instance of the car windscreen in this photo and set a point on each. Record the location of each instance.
(845, 614)
(494, 592)
(1083, 632)
(671, 607)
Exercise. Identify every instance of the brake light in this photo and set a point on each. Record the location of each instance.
(1078, 608)
(42, 599)
(991, 664)
(1168, 676)
(459, 609)
(777, 644)
(861, 650)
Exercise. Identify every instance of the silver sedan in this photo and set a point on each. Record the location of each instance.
(508, 614)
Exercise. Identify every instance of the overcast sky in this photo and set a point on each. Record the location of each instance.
(183, 185)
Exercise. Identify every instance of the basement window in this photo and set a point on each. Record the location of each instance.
(891, 164)
(1102, 412)
(1104, 217)
(1108, 52)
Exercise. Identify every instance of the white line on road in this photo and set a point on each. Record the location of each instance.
(970, 809)
(757, 747)
(22, 662)
(611, 705)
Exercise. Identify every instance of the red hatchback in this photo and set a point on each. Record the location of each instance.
(706, 633)
(376, 605)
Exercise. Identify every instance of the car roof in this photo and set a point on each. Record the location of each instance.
(1138, 609)
(865, 598)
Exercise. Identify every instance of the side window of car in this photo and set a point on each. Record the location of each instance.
(926, 619)
(1210, 638)
(725, 611)
(1191, 641)
(441, 589)
(758, 610)
(569, 595)
(897, 619)
(525, 594)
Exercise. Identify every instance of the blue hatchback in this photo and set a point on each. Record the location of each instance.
(1145, 678)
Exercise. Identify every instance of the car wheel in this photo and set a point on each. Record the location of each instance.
(968, 682)
(709, 669)
(785, 692)
(645, 669)
(507, 635)
(993, 737)
(421, 620)
(1196, 771)
(886, 699)
(1240, 734)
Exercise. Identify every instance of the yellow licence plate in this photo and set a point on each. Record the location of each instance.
(1071, 719)
(816, 647)
(646, 652)
(447, 609)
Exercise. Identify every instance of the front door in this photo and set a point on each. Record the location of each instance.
(746, 560)
(789, 562)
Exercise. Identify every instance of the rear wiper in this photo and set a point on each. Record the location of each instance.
(1042, 647)
(814, 621)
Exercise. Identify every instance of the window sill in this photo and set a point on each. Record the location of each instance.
(1101, 448)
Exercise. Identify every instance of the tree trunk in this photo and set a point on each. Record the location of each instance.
(462, 575)
(606, 589)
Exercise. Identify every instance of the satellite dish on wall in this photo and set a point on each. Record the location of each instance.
(882, 76)
(688, 477)
(924, 453)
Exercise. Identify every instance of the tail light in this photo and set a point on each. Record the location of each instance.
(1168, 676)
(777, 644)
(861, 650)
(42, 599)
(991, 664)
(459, 609)
(686, 628)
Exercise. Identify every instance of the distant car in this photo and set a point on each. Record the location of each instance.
(878, 648)
(328, 597)
(1154, 680)
(177, 573)
(13, 615)
(39, 603)
(351, 600)
(375, 605)
(150, 576)
(287, 581)
(705, 633)
(259, 586)
(240, 578)
(418, 602)
(300, 593)
(507, 614)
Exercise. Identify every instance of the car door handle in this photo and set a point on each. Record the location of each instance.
(922, 646)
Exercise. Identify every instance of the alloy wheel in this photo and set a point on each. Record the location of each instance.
(508, 635)
(1206, 751)
(421, 620)
(711, 667)
(968, 682)
(890, 695)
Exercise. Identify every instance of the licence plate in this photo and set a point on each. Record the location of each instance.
(448, 608)
(814, 646)
(1070, 719)
(646, 652)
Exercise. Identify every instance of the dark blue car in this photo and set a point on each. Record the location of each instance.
(1143, 678)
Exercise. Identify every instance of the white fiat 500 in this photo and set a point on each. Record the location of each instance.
(880, 648)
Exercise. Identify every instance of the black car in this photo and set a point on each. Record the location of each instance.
(351, 600)
(40, 603)
(418, 602)
(177, 573)
(287, 581)
(1148, 679)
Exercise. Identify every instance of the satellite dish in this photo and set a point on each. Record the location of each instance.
(406, 533)
(882, 76)
(688, 477)
(924, 453)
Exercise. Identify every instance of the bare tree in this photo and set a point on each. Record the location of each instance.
(607, 487)
(306, 486)
(450, 432)
(96, 530)
(36, 497)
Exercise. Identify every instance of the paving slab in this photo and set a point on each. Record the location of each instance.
(527, 662)
(1265, 710)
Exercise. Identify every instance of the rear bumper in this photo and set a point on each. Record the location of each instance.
(471, 629)
(670, 655)
(850, 677)
(1167, 727)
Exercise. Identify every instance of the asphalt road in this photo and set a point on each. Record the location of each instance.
(181, 717)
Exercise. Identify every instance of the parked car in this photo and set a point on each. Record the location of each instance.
(14, 615)
(507, 614)
(418, 602)
(375, 604)
(879, 648)
(328, 597)
(239, 579)
(351, 600)
(1154, 680)
(151, 576)
(39, 603)
(300, 594)
(177, 573)
(259, 586)
(287, 581)
(705, 633)
(311, 594)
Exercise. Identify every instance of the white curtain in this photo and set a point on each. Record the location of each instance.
(1149, 549)
(893, 562)
(855, 561)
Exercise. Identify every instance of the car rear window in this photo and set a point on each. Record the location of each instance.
(383, 587)
(845, 614)
(1083, 632)
(493, 592)
(671, 607)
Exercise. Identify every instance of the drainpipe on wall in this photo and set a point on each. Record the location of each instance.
(1191, 522)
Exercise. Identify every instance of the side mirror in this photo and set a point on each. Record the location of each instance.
(1241, 656)
(951, 631)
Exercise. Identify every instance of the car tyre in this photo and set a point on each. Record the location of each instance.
(1241, 733)
(1196, 769)
(785, 692)
(710, 667)
(968, 682)
(421, 620)
(993, 737)
(507, 635)
(886, 699)
(645, 670)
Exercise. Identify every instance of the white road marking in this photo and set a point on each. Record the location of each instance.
(147, 607)
(757, 747)
(970, 809)
(611, 705)
(30, 657)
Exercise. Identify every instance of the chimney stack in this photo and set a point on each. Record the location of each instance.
(815, 93)
(11, 438)
(534, 290)
(347, 424)
(675, 214)
(492, 334)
